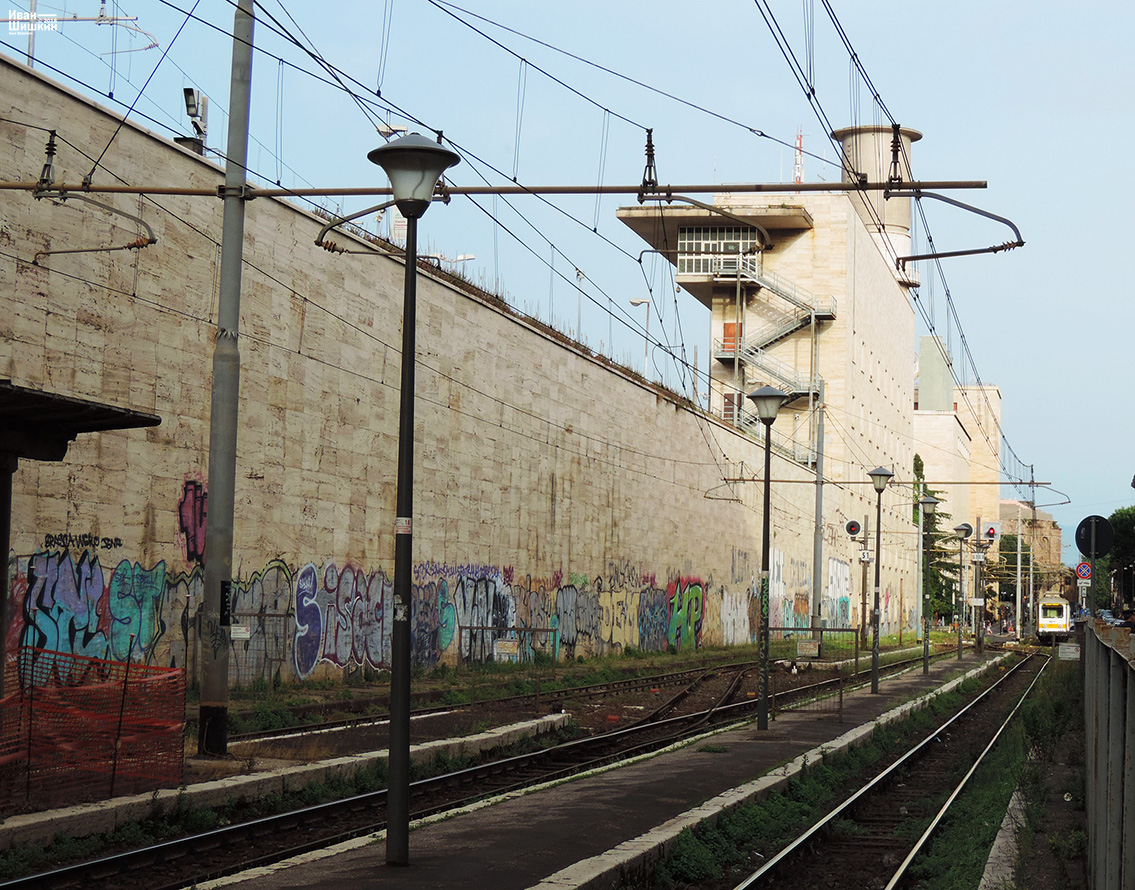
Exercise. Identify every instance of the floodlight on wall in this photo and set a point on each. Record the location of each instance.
(197, 107)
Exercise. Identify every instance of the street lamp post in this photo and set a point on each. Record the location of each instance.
(414, 165)
(963, 531)
(880, 476)
(927, 504)
(767, 401)
(639, 301)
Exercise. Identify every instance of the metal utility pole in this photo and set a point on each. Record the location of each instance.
(818, 531)
(1032, 551)
(213, 632)
(1020, 540)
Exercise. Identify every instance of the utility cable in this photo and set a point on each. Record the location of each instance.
(122, 122)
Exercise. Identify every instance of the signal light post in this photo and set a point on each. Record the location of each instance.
(963, 531)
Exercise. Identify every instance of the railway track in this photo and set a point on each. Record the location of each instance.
(873, 837)
(178, 863)
(545, 698)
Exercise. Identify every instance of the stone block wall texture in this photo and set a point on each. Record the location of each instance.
(558, 500)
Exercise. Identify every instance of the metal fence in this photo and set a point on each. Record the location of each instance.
(1109, 766)
(75, 729)
(834, 650)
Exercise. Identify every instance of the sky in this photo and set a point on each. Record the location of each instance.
(1034, 99)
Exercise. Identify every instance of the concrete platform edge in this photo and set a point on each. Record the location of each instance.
(101, 817)
(633, 858)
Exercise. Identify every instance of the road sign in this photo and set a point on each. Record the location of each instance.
(1084, 571)
(1097, 530)
(1083, 583)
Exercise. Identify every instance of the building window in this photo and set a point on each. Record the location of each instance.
(700, 248)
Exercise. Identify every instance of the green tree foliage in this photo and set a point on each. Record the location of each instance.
(1003, 572)
(940, 575)
(1121, 561)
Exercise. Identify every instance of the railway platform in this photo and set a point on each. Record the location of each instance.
(590, 831)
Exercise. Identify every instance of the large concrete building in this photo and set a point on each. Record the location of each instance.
(560, 500)
(805, 296)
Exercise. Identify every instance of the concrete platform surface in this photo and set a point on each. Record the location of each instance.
(588, 832)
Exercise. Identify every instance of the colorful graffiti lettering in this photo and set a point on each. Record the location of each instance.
(339, 615)
(67, 607)
(687, 609)
(192, 512)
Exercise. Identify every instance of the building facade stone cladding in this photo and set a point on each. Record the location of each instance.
(554, 491)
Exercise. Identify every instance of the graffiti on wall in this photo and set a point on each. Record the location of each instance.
(338, 615)
(192, 511)
(735, 627)
(837, 595)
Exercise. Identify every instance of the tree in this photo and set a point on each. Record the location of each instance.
(1003, 573)
(939, 575)
(1120, 560)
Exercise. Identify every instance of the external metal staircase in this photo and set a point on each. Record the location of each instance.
(805, 307)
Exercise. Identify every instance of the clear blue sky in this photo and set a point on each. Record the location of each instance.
(1034, 99)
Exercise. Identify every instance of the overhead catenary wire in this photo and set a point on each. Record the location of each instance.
(878, 103)
(644, 274)
(628, 79)
(118, 129)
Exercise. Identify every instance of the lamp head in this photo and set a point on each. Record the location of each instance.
(880, 476)
(963, 531)
(413, 164)
(767, 401)
(928, 503)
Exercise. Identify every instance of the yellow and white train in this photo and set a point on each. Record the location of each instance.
(1054, 617)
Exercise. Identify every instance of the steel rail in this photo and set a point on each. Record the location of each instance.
(589, 691)
(796, 846)
(604, 749)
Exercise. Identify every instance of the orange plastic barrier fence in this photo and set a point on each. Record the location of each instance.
(75, 729)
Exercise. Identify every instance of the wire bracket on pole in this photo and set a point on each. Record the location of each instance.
(900, 262)
(245, 192)
(339, 220)
(137, 244)
(649, 174)
(47, 174)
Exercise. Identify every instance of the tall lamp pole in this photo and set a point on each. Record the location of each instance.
(927, 503)
(767, 401)
(963, 531)
(880, 476)
(414, 165)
